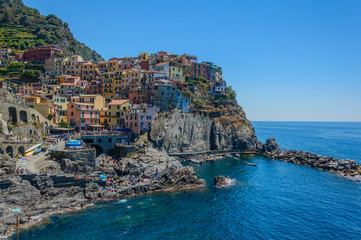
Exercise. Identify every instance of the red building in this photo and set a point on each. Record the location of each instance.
(41, 53)
(144, 65)
(94, 87)
(200, 70)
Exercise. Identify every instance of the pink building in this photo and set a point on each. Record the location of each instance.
(81, 115)
(140, 116)
(219, 88)
(187, 59)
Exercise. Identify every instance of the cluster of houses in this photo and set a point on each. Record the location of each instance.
(119, 93)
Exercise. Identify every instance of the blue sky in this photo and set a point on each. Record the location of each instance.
(288, 60)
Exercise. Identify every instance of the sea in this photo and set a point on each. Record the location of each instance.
(274, 200)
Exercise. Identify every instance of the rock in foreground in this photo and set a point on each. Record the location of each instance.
(223, 181)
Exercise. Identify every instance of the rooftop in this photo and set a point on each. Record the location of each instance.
(118, 102)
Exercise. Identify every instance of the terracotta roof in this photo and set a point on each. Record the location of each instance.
(118, 102)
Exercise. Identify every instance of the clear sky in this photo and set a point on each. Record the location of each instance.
(288, 60)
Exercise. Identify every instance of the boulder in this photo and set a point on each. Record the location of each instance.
(223, 181)
(270, 146)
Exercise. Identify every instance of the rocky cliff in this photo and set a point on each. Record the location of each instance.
(202, 131)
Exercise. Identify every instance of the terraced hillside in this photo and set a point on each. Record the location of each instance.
(22, 27)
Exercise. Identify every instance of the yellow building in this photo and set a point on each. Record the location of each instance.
(175, 71)
(117, 84)
(107, 82)
(62, 108)
(96, 100)
(115, 114)
(87, 70)
(112, 66)
(61, 79)
(143, 56)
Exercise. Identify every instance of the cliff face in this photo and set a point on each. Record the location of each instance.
(187, 132)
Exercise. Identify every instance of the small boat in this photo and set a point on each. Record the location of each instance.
(29, 153)
(33, 148)
(37, 150)
(251, 164)
(195, 161)
(74, 143)
(53, 148)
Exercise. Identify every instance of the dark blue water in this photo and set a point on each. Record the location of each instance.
(275, 200)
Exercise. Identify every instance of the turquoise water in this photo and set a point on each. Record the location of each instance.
(275, 200)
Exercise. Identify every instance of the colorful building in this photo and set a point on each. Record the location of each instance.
(41, 53)
(84, 111)
(115, 114)
(139, 118)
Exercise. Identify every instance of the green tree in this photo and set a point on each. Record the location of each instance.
(63, 124)
(50, 117)
(231, 93)
(30, 75)
(16, 66)
(6, 17)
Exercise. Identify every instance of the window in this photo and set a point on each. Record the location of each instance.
(72, 114)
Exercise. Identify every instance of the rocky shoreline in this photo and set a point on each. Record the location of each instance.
(146, 171)
(344, 167)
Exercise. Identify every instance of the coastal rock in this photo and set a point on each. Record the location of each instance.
(186, 132)
(348, 168)
(270, 145)
(147, 162)
(21, 193)
(223, 181)
(42, 182)
(166, 172)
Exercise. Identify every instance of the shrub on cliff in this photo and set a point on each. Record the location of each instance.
(198, 102)
(16, 66)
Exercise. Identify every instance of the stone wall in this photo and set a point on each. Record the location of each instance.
(104, 143)
(15, 147)
(57, 181)
(16, 114)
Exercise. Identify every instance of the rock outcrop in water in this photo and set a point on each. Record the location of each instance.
(223, 181)
(348, 168)
(196, 132)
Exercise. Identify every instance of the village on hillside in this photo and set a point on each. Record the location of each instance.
(121, 94)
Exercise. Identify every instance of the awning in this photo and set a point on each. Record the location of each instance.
(96, 126)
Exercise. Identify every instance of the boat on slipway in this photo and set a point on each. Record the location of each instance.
(32, 150)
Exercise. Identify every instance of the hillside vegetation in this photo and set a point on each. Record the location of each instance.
(22, 27)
